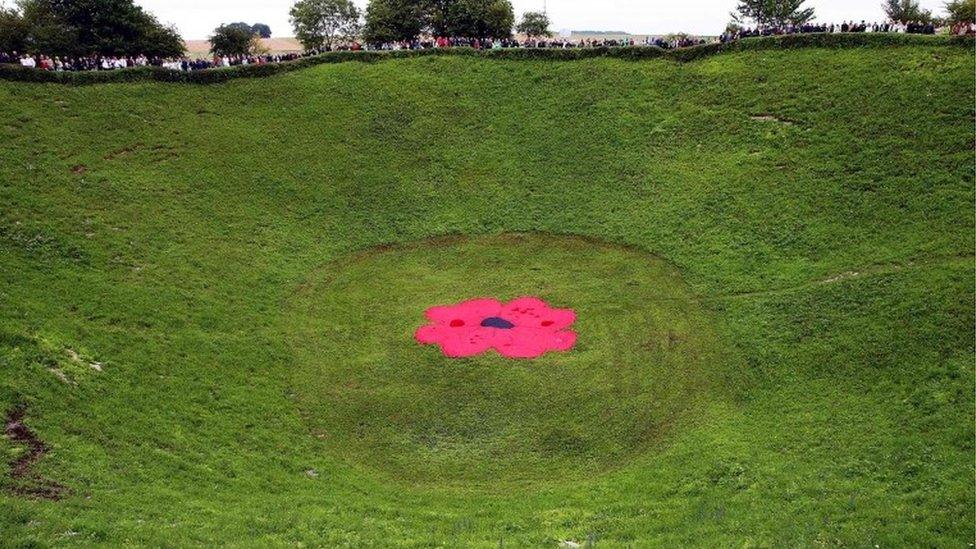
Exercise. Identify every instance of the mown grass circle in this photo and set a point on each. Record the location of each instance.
(646, 357)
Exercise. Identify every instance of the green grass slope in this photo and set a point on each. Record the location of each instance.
(195, 321)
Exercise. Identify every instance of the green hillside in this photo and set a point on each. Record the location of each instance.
(208, 296)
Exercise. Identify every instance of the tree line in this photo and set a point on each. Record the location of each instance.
(76, 28)
(783, 13)
(323, 23)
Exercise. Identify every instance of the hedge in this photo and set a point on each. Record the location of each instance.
(213, 76)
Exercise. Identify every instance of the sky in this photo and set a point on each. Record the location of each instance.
(197, 18)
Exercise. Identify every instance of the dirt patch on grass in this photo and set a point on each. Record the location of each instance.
(771, 118)
(25, 482)
(163, 153)
(123, 152)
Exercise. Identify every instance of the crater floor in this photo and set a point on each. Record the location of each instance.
(646, 354)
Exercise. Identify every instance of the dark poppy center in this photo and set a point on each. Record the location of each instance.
(497, 322)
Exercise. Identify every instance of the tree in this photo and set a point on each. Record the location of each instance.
(159, 41)
(906, 11)
(47, 33)
(323, 23)
(733, 27)
(394, 20)
(240, 25)
(13, 30)
(403, 20)
(772, 13)
(961, 11)
(499, 19)
(262, 30)
(534, 24)
(102, 27)
(437, 16)
(480, 18)
(234, 40)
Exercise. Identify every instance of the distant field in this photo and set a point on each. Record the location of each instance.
(201, 48)
(210, 297)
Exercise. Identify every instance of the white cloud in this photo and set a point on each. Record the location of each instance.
(197, 18)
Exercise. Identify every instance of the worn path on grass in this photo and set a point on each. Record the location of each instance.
(848, 275)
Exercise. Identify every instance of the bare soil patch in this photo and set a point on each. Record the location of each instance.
(26, 482)
(771, 118)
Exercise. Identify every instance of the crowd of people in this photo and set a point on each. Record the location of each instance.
(847, 26)
(218, 61)
(92, 63)
(105, 63)
(550, 43)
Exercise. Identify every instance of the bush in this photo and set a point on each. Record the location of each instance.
(213, 76)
